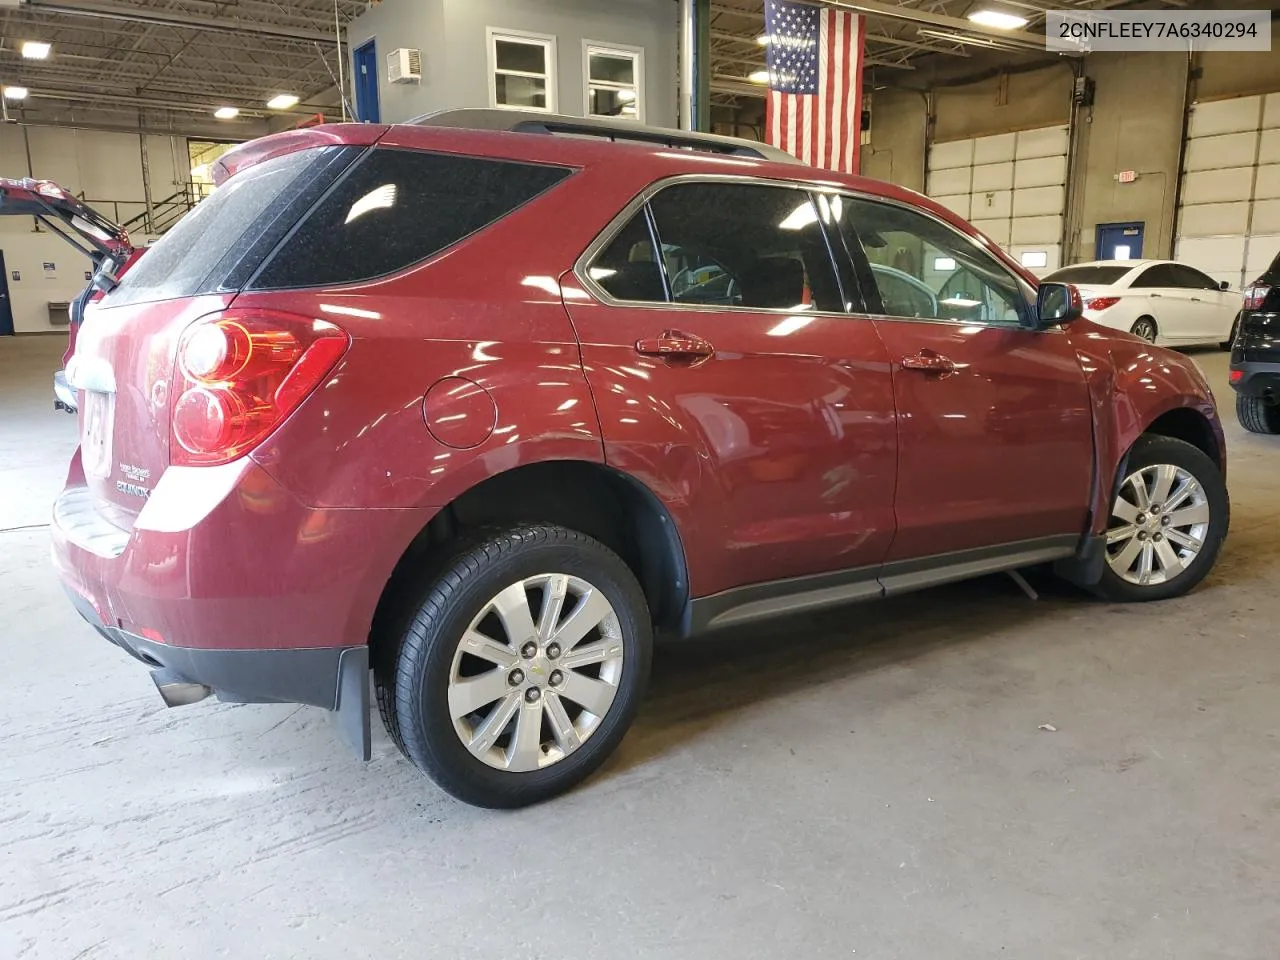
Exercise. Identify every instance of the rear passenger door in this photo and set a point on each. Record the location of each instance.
(730, 379)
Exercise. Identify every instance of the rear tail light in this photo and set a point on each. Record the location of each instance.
(1236, 376)
(1256, 296)
(1101, 303)
(239, 374)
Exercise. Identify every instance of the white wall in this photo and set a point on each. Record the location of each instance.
(104, 167)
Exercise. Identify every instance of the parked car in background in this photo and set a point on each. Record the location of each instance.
(105, 244)
(1255, 355)
(484, 411)
(1157, 300)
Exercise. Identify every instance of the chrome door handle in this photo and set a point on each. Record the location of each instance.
(1196, 300)
(1156, 296)
(674, 345)
(929, 362)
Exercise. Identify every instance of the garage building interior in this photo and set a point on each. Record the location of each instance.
(965, 772)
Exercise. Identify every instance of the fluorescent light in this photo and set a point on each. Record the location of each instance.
(758, 76)
(282, 101)
(799, 218)
(1001, 21)
(961, 302)
(15, 93)
(36, 49)
(764, 39)
(784, 328)
(1034, 258)
(226, 113)
(379, 198)
(944, 263)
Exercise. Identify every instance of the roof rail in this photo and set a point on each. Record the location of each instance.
(527, 121)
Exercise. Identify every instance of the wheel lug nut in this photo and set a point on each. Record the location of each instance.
(556, 678)
(1142, 518)
(532, 694)
(515, 677)
(1142, 534)
(1158, 537)
(529, 650)
(553, 650)
(1164, 521)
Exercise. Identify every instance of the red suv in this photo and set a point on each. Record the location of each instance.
(484, 410)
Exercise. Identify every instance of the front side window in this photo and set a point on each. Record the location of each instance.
(614, 81)
(522, 70)
(922, 268)
(744, 245)
(1191, 279)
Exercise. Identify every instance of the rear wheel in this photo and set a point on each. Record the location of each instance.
(1144, 327)
(523, 666)
(1169, 515)
(1258, 414)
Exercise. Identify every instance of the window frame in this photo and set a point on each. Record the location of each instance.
(619, 222)
(636, 54)
(545, 40)
(866, 280)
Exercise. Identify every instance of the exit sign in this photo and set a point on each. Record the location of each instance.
(1127, 176)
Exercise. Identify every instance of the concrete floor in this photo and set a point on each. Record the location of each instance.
(873, 783)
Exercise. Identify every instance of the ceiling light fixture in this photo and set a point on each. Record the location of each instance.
(998, 19)
(758, 76)
(227, 113)
(15, 93)
(36, 49)
(282, 101)
(763, 39)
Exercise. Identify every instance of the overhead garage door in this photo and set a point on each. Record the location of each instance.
(1012, 187)
(1229, 211)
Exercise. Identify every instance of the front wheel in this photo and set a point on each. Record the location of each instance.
(1169, 516)
(523, 667)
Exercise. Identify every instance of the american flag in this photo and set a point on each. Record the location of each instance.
(814, 110)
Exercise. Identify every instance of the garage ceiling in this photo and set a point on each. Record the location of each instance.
(173, 60)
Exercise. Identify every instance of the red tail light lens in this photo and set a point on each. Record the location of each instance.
(1101, 303)
(1256, 296)
(1236, 376)
(239, 374)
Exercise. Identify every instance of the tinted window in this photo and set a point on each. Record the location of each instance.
(1161, 275)
(1193, 279)
(923, 268)
(744, 245)
(628, 269)
(397, 207)
(1100, 276)
(222, 228)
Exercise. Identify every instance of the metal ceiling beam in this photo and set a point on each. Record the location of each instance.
(880, 38)
(170, 18)
(910, 15)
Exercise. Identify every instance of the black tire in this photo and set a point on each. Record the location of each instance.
(1257, 415)
(1143, 324)
(449, 604)
(1151, 450)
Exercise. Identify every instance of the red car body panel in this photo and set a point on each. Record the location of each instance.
(778, 457)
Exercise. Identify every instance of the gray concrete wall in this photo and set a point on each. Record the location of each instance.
(897, 149)
(1135, 124)
(452, 37)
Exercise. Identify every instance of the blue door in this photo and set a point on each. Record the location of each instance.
(1119, 241)
(365, 70)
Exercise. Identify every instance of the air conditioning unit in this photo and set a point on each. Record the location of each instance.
(404, 66)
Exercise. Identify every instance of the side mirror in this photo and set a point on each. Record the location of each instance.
(1057, 304)
(1224, 285)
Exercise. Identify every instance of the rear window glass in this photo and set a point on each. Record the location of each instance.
(183, 262)
(1086, 274)
(397, 207)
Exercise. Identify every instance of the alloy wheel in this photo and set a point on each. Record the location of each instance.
(1159, 522)
(535, 672)
(1145, 329)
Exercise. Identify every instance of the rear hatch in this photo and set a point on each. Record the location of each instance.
(125, 356)
(1258, 337)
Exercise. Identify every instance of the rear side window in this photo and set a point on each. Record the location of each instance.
(398, 207)
(208, 243)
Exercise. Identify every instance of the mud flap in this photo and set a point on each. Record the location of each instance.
(352, 710)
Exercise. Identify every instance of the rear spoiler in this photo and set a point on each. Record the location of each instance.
(278, 144)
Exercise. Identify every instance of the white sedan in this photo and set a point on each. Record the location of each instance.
(1157, 300)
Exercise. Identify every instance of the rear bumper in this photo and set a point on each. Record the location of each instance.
(334, 678)
(1256, 378)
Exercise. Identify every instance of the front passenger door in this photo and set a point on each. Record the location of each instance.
(995, 436)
